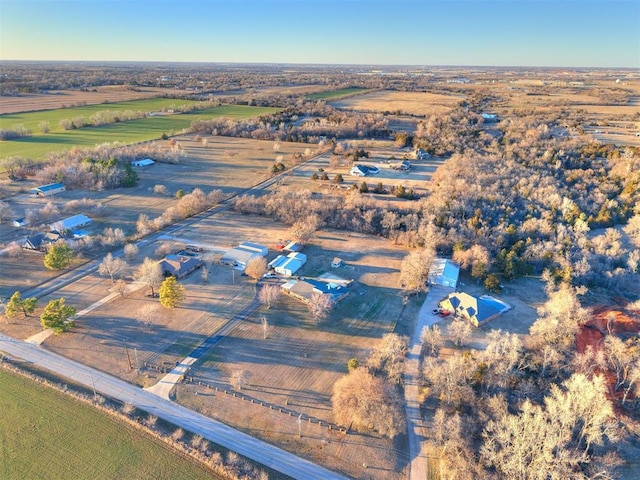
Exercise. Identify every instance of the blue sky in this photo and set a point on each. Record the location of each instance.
(563, 33)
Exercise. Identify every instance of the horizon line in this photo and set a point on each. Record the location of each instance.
(407, 65)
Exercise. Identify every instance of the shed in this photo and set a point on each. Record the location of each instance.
(142, 163)
(254, 247)
(276, 262)
(239, 256)
(337, 262)
(294, 247)
(71, 223)
(20, 222)
(443, 272)
(47, 190)
(291, 264)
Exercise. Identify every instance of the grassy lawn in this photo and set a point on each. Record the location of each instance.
(150, 128)
(336, 94)
(45, 434)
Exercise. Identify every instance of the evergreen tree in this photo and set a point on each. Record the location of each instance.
(56, 316)
(17, 305)
(171, 293)
(59, 256)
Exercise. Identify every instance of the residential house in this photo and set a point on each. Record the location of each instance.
(477, 310)
(304, 290)
(180, 266)
(40, 242)
(359, 171)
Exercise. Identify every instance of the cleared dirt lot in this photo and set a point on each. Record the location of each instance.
(414, 103)
(67, 98)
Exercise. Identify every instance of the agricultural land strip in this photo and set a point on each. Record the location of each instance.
(134, 131)
(47, 434)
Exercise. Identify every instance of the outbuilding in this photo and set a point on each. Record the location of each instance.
(292, 263)
(48, 190)
(239, 256)
(20, 222)
(443, 272)
(142, 163)
(70, 223)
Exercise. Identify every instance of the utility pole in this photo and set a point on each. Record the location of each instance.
(93, 382)
(126, 348)
(135, 354)
(300, 426)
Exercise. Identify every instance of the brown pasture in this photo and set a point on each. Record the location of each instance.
(229, 164)
(67, 98)
(414, 103)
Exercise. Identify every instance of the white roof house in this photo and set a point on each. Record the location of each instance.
(443, 272)
(76, 221)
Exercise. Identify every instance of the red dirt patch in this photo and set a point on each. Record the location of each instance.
(607, 321)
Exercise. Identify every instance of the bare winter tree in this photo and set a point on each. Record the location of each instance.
(450, 379)
(113, 267)
(5, 212)
(130, 251)
(319, 306)
(204, 274)
(147, 314)
(256, 267)
(414, 271)
(368, 403)
(238, 379)
(431, 339)
(388, 357)
(269, 294)
(120, 286)
(302, 230)
(266, 328)
(459, 331)
(150, 274)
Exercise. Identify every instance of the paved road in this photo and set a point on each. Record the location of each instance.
(221, 434)
(417, 432)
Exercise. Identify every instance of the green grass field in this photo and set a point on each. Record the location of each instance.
(45, 434)
(32, 120)
(37, 146)
(336, 94)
